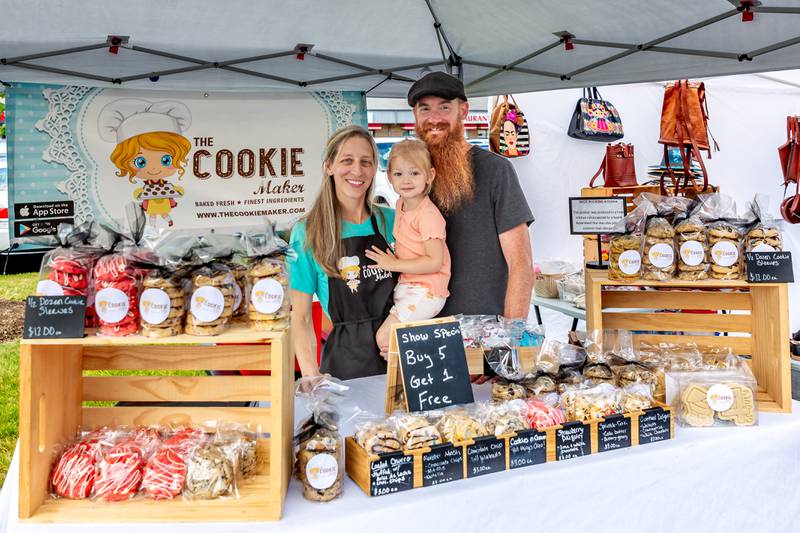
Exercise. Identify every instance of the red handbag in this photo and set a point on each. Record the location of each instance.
(618, 167)
(789, 153)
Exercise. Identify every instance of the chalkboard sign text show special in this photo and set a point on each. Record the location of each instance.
(54, 317)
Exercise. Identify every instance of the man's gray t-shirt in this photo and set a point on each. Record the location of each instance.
(479, 273)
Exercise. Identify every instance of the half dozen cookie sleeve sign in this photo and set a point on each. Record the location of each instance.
(54, 317)
(432, 364)
(769, 267)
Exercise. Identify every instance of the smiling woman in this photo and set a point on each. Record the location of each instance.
(330, 262)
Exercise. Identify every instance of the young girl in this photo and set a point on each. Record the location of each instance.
(420, 255)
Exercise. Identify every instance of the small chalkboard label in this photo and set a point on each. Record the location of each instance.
(54, 317)
(769, 267)
(528, 448)
(444, 463)
(393, 472)
(573, 440)
(654, 425)
(614, 433)
(486, 456)
(434, 366)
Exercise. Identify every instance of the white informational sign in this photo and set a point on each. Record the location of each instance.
(596, 216)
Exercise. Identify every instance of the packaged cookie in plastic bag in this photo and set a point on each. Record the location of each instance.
(724, 233)
(658, 251)
(692, 244)
(543, 412)
(73, 474)
(210, 299)
(415, 430)
(599, 401)
(539, 384)
(708, 398)
(319, 447)
(502, 418)
(117, 283)
(763, 231)
(636, 397)
(376, 436)
(162, 304)
(503, 389)
(459, 424)
(472, 328)
(267, 279)
(625, 248)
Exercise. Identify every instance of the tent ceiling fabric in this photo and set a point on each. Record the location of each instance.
(358, 44)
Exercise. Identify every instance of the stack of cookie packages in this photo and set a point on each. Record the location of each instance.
(268, 296)
(211, 304)
(625, 258)
(726, 258)
(240, 300)
(162, 305)
(692, 245)
(764, 238)
(658, 255)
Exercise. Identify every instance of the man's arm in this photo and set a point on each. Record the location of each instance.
(516, 246)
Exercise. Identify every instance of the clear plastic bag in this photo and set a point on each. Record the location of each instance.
(210, 473)
(544, 412)
(692, 246)
(162, 304)
(763, 233)
(211, 299)
(117, 282)
(595, 402)
(716, 398)
(503, 389)
(472, 328)
(415, 430)
(504, 417)
(636, 397)
(724, 234)
(268, 294)
(459, 424)
(625, 248)
(377, 436)
(119, 473)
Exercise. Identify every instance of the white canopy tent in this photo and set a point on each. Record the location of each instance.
(382, 45)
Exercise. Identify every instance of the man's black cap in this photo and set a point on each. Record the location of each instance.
(436, 84)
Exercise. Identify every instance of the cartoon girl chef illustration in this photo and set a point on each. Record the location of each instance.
(351, 272)
(150, 148)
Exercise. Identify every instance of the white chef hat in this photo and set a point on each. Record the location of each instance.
(128, 117)
(345, 262)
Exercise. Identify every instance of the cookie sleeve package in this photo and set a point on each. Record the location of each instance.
(267, 278)
(211, 299)
(724, 235)
(658, 250)
(719, 397)
(691, 243)
(375, 435)
(625, 248)
(319, 447)
(763, 231)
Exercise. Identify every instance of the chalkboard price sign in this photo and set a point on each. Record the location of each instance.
(573, 440)
(54, 317)
(393, 472)
(769, 267)
(444, 463)
(654, 425)
(434, 366)
(486, 456)
(614, 433)
(528, 448)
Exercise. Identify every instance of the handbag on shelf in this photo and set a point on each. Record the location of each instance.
(595, 119)
(618, 167)
(684, 124)
(509, 135)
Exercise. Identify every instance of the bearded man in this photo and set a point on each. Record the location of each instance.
(478, 193)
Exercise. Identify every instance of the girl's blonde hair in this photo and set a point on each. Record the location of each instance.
(416, 153)
(323, 222)
(173, 144)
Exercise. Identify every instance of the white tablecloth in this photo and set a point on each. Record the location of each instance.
(716, 479)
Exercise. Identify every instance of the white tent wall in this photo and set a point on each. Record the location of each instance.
(748, 119)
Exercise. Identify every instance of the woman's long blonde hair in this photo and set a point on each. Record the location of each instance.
(323, 222)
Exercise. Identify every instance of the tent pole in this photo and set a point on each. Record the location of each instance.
(12, 60)
(31, 66)
(438, 25)
(664, 49)
(774, 47)
(508, 67)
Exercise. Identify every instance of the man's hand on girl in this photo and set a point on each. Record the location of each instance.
(385, 260)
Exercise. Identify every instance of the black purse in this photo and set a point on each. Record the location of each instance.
(595, 119)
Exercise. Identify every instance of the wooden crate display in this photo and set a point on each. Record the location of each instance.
(756, 324)
(54, 389)
(388, 473)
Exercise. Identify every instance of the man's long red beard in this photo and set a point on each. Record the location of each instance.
(454, 184)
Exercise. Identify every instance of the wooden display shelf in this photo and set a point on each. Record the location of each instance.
(756, 325)
(361, 465)
(53, 390)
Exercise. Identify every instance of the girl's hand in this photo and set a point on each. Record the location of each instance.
(385, 260)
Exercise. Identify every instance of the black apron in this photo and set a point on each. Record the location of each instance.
(358, 305)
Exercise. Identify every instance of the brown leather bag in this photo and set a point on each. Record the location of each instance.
(684, 124)
(618, 168)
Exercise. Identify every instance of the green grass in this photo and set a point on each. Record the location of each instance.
(18, 286)
(9, 403)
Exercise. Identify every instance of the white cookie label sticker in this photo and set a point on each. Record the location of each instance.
(154, 306)
(237, 296)
(719, 397)
(760, 248)
(725, 253)
(322, 471)
(207, 304)
(661, 255)
(692, 253)
(267, 296)
(48, 287)
(630, 262)
(111, 305)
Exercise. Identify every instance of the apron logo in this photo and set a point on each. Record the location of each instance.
(350, 270)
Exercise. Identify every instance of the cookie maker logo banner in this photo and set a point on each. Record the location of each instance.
(189, 159)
